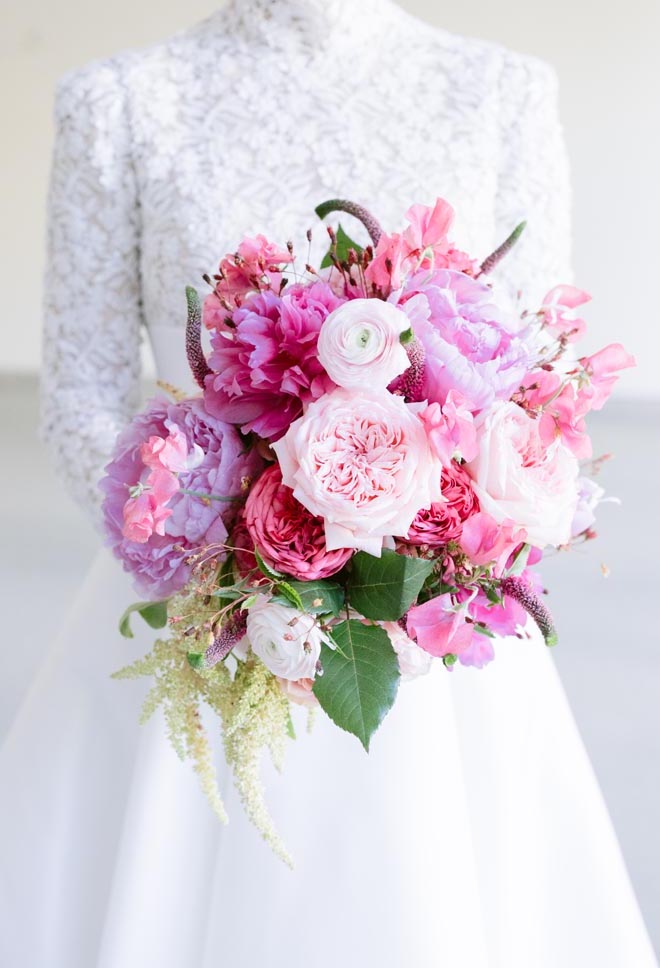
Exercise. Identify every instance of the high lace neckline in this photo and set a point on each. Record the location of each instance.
(311, 27)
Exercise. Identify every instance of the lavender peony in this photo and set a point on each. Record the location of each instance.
(161, 566)
(471, 345)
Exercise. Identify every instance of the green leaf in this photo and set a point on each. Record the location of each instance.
(359, 683)
(384, 588)
(285, 590)
(290, 728)
(344, 243)
(520, 561)
(266, 569)
(319, 597)
(154, 614)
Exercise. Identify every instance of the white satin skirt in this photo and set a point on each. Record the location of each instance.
(473, 835)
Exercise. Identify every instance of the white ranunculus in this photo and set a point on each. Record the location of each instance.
(519, 478)
(287, 641)
(360, 345)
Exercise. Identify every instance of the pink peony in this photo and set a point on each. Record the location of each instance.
(423, 245)
(471, 345)
(265, 366)
(287, 536)
(444, 520)
(161, 564)
(518, 478)
(363, 463)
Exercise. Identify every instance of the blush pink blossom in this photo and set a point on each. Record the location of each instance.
(255, 265)
(423, 245)
(265, 365)
(288, 537)
(451, 428)
(171, 453)
(560, 410)
(413, 661)
(486, 542)
(299, 691)
(557, 312)
(602, 371)
(361, 461)
(439, 627)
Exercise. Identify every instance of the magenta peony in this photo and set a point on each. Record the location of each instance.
(265, 365)
(160, 564)
(443, 521)
(288, 537)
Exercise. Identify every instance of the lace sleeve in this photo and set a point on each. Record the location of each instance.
(90, 374)
(534, 180)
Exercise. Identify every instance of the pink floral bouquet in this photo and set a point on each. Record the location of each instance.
(381, 450)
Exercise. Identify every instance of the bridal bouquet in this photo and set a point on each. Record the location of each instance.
(381, 450)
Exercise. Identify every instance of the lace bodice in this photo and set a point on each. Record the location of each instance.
(165, 157)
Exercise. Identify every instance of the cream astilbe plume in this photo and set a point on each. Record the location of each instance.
(254, 713)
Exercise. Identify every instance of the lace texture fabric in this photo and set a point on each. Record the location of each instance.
(165, 157)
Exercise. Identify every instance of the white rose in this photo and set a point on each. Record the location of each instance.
(360, 345)
(519, 478)
(287, 641)
(413, 661)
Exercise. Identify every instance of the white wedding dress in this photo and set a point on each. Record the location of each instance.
(474, 834)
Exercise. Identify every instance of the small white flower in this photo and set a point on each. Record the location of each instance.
(287, 641)
(360, 345)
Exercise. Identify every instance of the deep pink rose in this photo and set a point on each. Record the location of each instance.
(443, 521)
(288, 537)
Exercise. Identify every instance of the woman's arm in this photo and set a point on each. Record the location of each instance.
(91, 359)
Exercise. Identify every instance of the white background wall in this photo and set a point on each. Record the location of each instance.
(606, 53)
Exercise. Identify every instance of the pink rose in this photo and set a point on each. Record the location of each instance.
(360, 344)
(520, 479)
(361, 461)
(444, 520)
(288, 537)
(439, 626)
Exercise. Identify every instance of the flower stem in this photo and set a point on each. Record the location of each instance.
(371, 224)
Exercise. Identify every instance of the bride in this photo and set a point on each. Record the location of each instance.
(474, 835)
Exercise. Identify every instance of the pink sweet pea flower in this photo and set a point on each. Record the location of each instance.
(439, 628)
(451, 429)
(485, 541)
(146, 513)
(171, 453)
(556, 312)
(429, 226)
(255, 265)
(601, 368)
